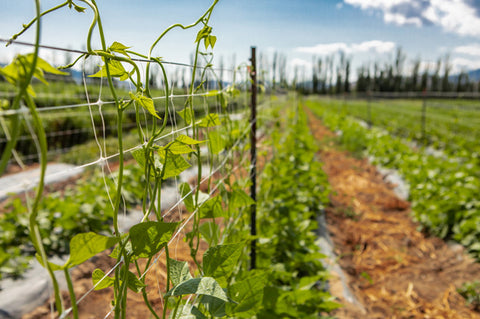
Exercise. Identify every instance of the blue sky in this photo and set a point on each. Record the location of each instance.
(367, 30)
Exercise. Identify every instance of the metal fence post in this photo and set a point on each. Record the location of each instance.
(369, 109)
(253, 158)
(424, 118)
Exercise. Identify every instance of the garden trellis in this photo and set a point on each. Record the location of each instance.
(195, 135)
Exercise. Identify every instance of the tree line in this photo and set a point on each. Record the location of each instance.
(333, 75)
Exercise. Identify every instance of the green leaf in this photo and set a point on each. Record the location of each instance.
(115, 68)
(139, 156)
(133, 282)
(145, 102)
(186, 115)
(212, 40)
(45, 66)
(86, 245)
(210, 232)
(204, 32)
(190, 312)
(53, 267)
(174, 163)
(178, 148)
(209, 121)
(119, 48)
(219, 261)
(185, 189)
(199, 286)
(179, 271)
(211, 208)
(149, 237)
(181, 145)
(100, 280)
(238, 199)
(215, 306)
(187, 140)
(215, 142)
(248, 293)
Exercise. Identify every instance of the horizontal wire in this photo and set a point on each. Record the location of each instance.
(104, 159)
(49, 47)
(100, 103)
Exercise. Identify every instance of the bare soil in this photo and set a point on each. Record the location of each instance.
(97, 304)
(394, 270)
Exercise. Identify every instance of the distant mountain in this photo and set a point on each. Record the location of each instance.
(474, 75)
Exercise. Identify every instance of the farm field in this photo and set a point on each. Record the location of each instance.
(394, 270)
(151, 166)
(450, 125)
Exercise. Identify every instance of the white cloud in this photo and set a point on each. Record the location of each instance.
(301, 63)
(463, 64)
(374, 45)
(362, 47)
(473, 49)
(457, 16)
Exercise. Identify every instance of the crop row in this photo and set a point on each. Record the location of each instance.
(443, 190)
(450, 125)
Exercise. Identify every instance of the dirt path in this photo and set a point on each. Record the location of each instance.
(394, 270)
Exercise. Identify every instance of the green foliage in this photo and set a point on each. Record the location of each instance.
(443, 190)
(471, 292)
(149, 237)
(294, 189)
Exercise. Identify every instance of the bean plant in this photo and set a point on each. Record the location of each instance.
(213, 289)
(221, 284)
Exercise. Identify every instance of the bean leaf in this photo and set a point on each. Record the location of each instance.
(179, 271)
(219, 261)
(86, 245)
(149, 237)
(207, 286)
(100, 280)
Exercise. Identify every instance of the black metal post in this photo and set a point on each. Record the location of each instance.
(369, 109)
(424, 118)
(253, 159)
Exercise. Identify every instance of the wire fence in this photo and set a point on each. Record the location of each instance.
(80, 128)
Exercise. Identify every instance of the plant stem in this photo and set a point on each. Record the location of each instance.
(73, 299)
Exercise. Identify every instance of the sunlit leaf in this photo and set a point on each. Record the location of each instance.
(209, 120)
(199, 286)
(86, 245)
(145, 102)
(179, 271)
(219, 261)
(210, 232)
(186, 115)
(149, 237)
(185, 192)
(239, 199)
(212, 208)
(119, 48)
(248, 293)
(215, 142)
(174, 164)
(100, 280)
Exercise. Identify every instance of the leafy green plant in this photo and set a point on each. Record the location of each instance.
(294, 189)
(443, 190)
(471, 292)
